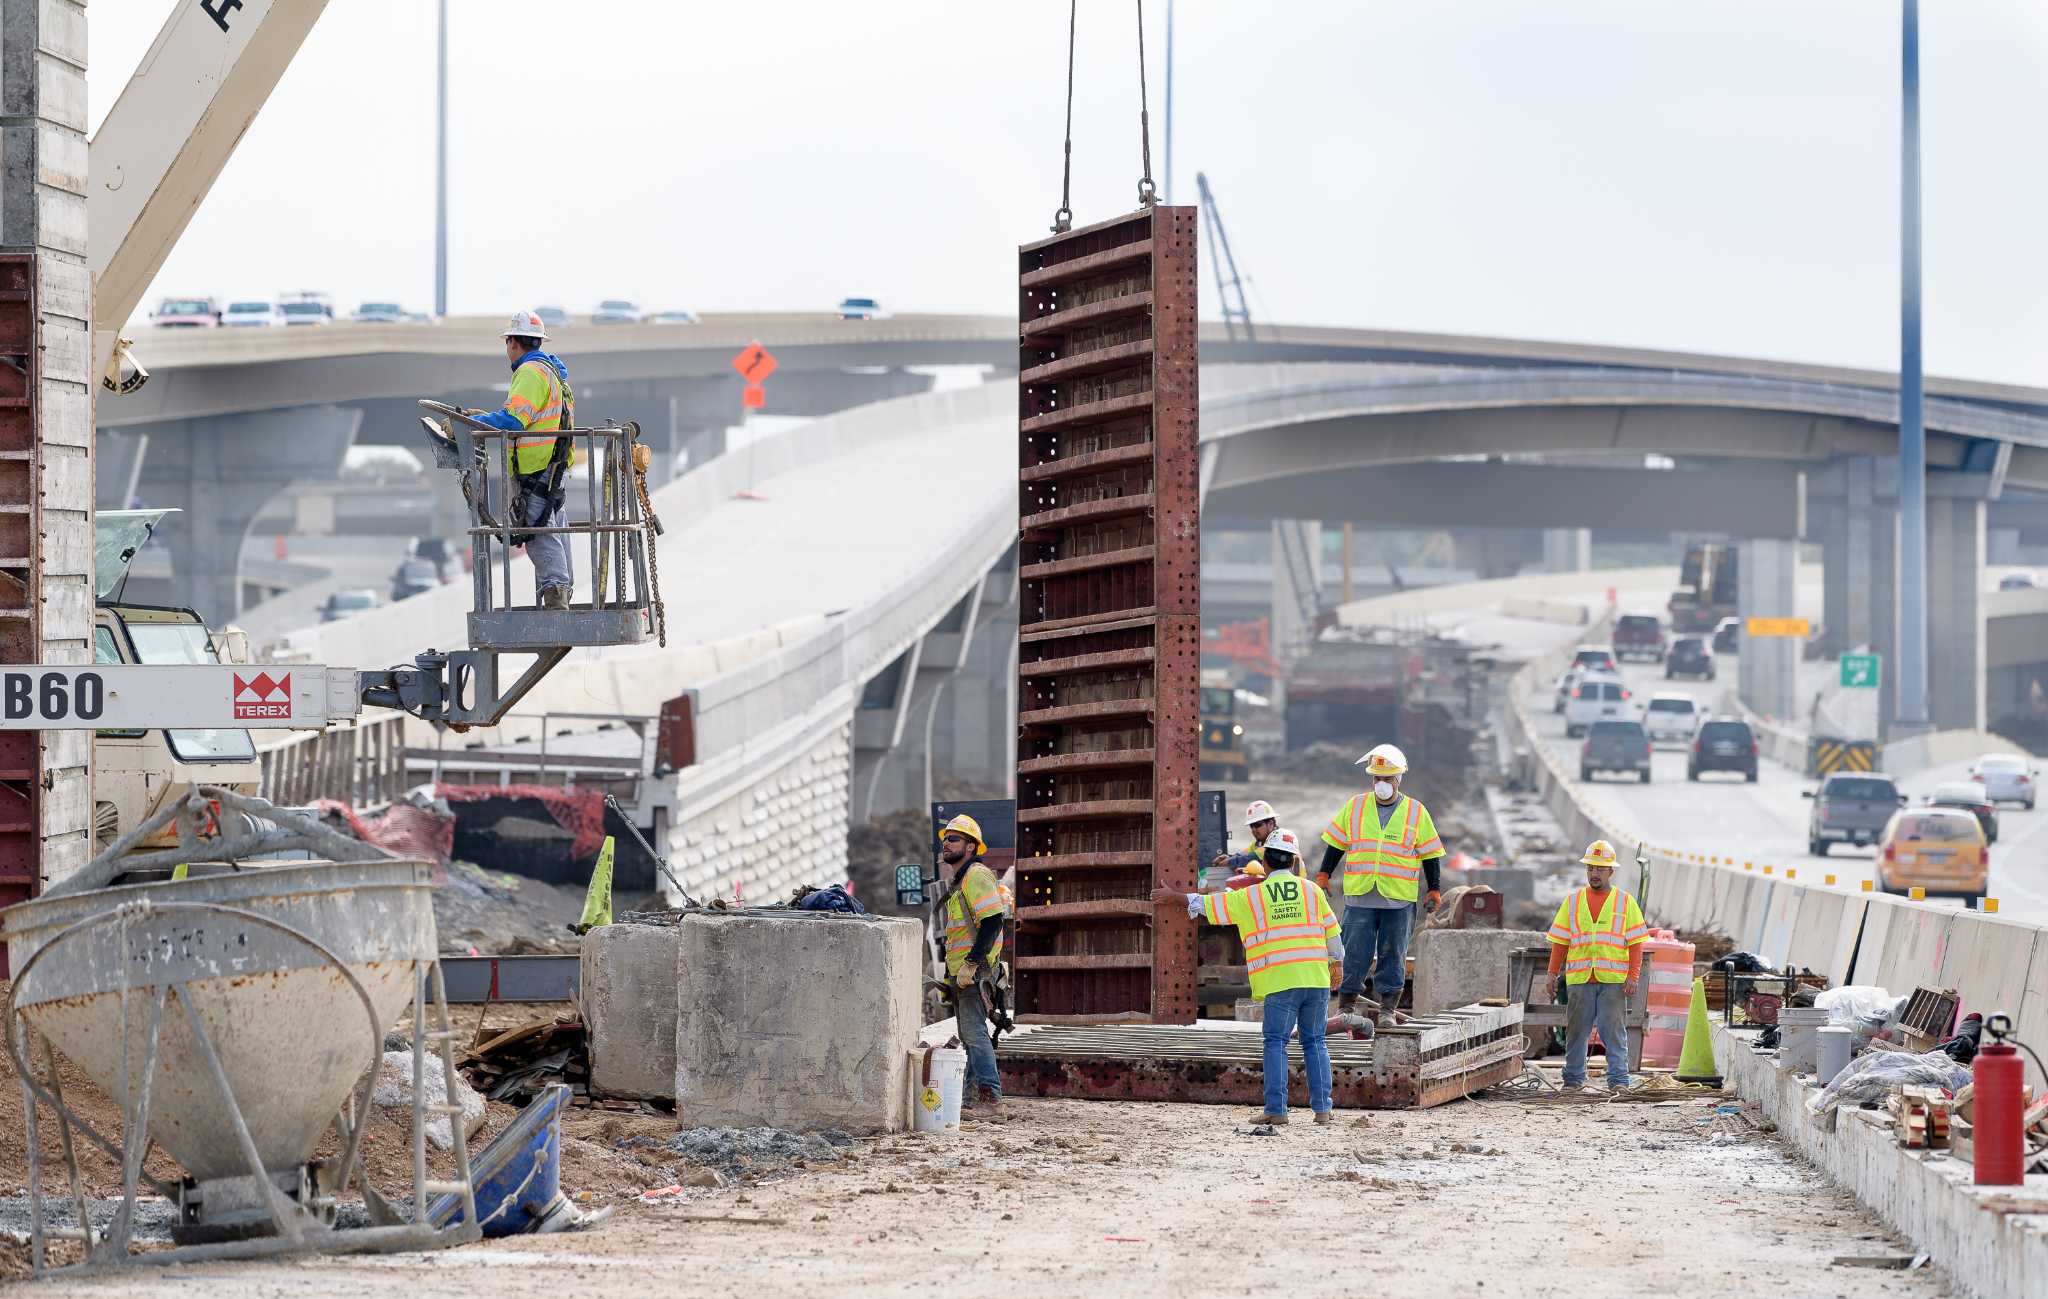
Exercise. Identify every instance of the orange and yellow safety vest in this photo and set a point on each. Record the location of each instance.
(1286, 924)
(1383, 854)
(1596, 947)
(536, 401)
(978, 897)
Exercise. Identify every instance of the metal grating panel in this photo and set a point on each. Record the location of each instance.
(20, 575)
(1110, 636)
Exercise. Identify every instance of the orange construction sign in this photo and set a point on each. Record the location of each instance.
(754, 363)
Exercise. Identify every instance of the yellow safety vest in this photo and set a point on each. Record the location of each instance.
(536, 401)
(1388, 856)
(1596, 947)
(1286, 924)
(977, 898)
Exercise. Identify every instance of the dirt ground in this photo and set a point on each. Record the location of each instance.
(1117, 1199)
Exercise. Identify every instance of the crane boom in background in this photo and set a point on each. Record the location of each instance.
(1229, 287)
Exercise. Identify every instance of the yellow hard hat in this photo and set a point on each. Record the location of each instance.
(1598, 853)
(1384, 760)
(970, 827)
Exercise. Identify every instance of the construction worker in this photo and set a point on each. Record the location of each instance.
(1596, 942)
(1262, 821)
(538, 406)
(973, 911)
(1385, 843)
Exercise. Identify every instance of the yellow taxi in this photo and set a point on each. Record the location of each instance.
(1940, 849)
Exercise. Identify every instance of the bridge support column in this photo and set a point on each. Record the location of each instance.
(974, 740)
(222, 473)
(1955, 613)
(1770, 664)
(1846, 562)
(2003, 546)
(117, 456)
(1568, 550)
(656, 417)
(894, 722)
(1492, 552)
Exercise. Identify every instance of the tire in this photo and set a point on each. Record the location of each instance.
(1571, 732)
(1692, 774)
(1643, 776)
(1752, 775)
(1586, 775)
(1813, 848)
(1820, 847)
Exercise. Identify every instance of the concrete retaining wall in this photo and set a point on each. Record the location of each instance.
(1926, 1195)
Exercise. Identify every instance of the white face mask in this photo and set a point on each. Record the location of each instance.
(1383, 790)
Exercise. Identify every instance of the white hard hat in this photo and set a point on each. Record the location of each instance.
(526, 324)
(1384, 760)
(1284, 841)
(1260, 810)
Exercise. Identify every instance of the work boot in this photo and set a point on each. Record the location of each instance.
(1385, 1020)
(1272, 1120)
(555, 597)
(1325, 1116)
(1346, 1002)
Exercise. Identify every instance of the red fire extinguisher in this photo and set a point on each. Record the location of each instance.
(1999, 1081)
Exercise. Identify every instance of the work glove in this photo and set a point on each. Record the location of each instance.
(967, 974)
(1323, 880)
(1562, 990)
(1432, 900)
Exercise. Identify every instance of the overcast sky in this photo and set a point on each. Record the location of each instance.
(1717, 175)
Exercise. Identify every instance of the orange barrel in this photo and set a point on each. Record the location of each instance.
(1668, 965)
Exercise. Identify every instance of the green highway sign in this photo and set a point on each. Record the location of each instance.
(1860, 671)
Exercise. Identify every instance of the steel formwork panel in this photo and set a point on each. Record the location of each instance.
(21, 591)
(1109, 638)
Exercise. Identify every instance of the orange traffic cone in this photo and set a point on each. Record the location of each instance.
(1696, 1058)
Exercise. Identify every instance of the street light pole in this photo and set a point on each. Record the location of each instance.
(441, 171)
(1912, 665)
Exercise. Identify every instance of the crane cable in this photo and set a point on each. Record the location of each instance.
(1148, 195)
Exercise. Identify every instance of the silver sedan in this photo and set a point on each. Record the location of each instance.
(2006, 778)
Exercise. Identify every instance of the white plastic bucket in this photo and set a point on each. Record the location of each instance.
(937, 1074)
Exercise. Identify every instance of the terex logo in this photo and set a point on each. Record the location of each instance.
(263, 697)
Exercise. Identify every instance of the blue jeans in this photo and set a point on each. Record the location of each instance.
(1380, 932)
(972, 1021)
(1588, 1003)
(1287, 1010)
(550, 551)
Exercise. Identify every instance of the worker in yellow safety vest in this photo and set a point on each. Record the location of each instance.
(1290, 937)
(537, 411)
(972, 911)
(1596, 943)
(1262, 821)
(1385, 845)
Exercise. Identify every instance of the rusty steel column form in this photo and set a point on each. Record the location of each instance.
(1109, 630)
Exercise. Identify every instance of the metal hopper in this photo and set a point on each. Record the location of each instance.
(232, 1015)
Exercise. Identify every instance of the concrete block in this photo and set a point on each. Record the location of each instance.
(797, 1020)
(1456, 967)
(1915, 947)
(1780, 913)
(629, 1010)
(1877, 926)
(1988, 961)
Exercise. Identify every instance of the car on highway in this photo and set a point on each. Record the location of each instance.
(186, 313)
(306, 308)
(859, 309)
(1597, 697)
(349, 600)
(2018, 582)
(1967, 796)
(1722, 744)
(1939, 849)
(414, 576)
(251, 315)
(1850, 809)
(2006, 778)
(1728, 636)
(552, 317)
(617, 311)
(1670, 717)
(1596, 656)
(1690, 656)
(378, 313)
(1639, 635)
(673, 318)
(1616, 745)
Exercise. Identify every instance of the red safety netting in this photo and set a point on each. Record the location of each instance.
(579, 811)
(401, 828)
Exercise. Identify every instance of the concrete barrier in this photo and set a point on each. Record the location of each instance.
(1904, 757)
(2033, 1020)
(1780, 914)
(629, 1010)
(1994, 964)
(1562, 612)
(1868, 967)
(1916, 946)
